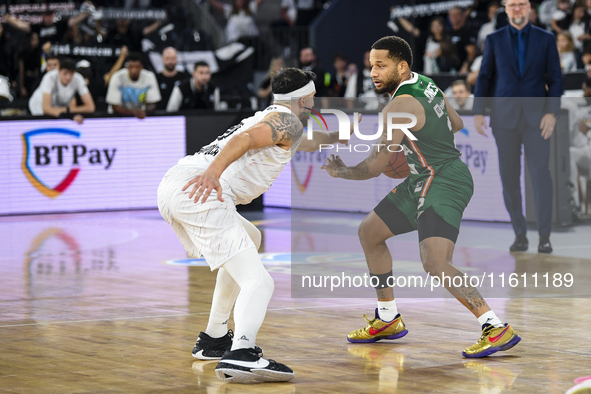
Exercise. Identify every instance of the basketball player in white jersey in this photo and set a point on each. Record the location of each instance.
(197, 197)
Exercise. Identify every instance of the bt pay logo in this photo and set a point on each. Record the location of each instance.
(52, 158)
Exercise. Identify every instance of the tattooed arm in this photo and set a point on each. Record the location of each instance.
(371, 167)
(281, 129)
(323, 139)
(284, 129)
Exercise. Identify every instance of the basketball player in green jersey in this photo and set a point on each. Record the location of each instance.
(431, 200)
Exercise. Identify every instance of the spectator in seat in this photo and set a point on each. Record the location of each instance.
(55, 95)
(587, 16)
(29, 64)
(361, 83)
(289, 13)
(448, 59)
(463, 40)
(308, 62)
(124, 35)
(462, 98)
(8, 46)
(562, 17)
(53, 29)
(264, 92)
(534, 17)
(117, 66)
(170, 76)
(432, 46)
(489, 26)
(52, 62)
(566, 50)
(240, 16)
(577, 27)
(475, 68)
(133, 90)
(48, 63)
(198, 92)
(587, 61)
(545, 12)
(7, 54)
(338, 81)
(580, 150)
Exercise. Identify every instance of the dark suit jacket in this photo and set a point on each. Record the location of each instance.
(499, 77)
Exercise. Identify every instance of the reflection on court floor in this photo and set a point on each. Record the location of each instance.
(110, 302)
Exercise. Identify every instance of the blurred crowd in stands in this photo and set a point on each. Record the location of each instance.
(134, 57)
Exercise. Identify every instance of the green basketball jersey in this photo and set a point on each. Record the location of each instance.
(435, 146)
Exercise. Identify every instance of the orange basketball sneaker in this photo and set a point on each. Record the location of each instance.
(493, 339)
(378, 329)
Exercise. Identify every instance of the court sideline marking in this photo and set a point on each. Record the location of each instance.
(207, 313)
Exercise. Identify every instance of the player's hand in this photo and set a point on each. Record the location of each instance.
(203, 185)
(333, 165)
(480, 124)
(140, 113)
(351, 130)
(547, 125)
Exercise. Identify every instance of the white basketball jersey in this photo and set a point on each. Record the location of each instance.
(253, 173)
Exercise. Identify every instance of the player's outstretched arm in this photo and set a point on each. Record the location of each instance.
(371, 167)
(322, 138)
(281, 129)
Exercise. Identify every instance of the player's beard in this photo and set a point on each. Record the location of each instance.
(170, 68)
(304, 116)
(389, 85)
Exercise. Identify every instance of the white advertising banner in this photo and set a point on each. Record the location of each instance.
(303, 184)
(60, 166)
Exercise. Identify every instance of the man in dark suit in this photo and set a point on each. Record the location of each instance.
(521, 61)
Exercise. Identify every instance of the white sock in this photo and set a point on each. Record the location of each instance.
(256, 289)
(387, 310)
(224, 295)
(490, 318)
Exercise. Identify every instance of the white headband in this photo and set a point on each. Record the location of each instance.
(296, 94)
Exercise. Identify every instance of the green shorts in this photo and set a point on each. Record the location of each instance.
(448, 192)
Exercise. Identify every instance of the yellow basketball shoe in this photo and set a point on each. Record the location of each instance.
(378, 329)
(493, 339)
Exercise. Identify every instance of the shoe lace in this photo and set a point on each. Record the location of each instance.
(258, 351)
(370, 322)
(485, 333)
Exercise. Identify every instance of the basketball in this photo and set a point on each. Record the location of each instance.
(397, 168)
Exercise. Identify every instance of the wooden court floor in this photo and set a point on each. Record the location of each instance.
(88, 306)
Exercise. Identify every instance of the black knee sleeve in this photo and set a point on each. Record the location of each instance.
(393, 217)
(430, 224)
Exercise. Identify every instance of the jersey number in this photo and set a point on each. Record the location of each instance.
(230, 131)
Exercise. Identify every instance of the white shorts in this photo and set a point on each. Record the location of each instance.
(212, 230)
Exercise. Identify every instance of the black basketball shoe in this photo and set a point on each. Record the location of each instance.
(208, 348)
(249, 366)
